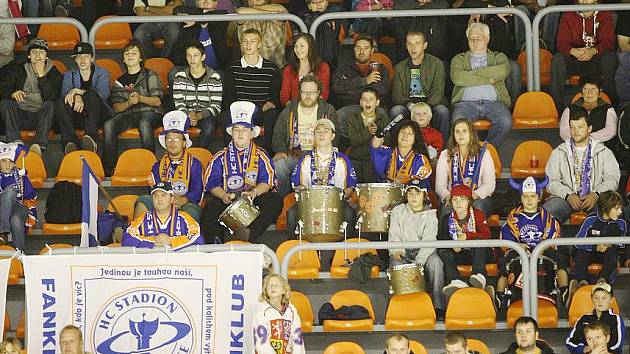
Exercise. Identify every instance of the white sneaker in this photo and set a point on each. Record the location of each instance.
(451, 288)
(478, 281)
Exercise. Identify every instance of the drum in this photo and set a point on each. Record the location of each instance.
(376, 201)
(406, 279)
(239, 215)
(321, 211)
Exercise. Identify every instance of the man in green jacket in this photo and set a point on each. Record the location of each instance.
(479, 84)
(421, 78)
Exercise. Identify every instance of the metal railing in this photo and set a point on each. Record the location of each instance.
(538, 252)
(195, 18)
(330, 246)
(43, 20)
(559, 8)
(440, 12)
(200, 248)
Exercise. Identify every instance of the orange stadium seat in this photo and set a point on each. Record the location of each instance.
(281, 221)
(547, 313)
(482, 124)
(71, 166)
(545, 66)
(161, 66)
(475, 345)
(133, 168)
(203, 155)
(338, 269)
(112, 66)
(349, 298)
(470, 308)
(344, 348)
(125, 204)
(525, 155)
(577, 218)
(29, 134)
(410, 312)
(113, 35)
(236, 242)
(16, 271)
(61, 229)
(304, 309)
(582, 304)
(466, 269)
(417, 347)
(303, 265)
(496, 159)
(36, 169)
(60, 66)
(534, 110)
(60, 36)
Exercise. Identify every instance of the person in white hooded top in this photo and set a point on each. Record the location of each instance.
(277, 325)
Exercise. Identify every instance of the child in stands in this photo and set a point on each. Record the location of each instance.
(17, 197)
(604, 222)
(421, 114)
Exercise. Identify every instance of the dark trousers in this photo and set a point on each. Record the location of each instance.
(583, 258)
(146, 123)
(93, 116)
(478, 257)
(265, 119)
(16, 119)
(269, 204)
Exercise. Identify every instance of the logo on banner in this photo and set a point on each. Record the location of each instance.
(143, 321)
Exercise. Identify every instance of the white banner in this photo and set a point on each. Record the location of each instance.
(186, 303)
(5, 265)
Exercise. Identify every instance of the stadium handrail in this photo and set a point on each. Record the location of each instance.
(560, 8)
(330, 246)
(440, 12)
(199, 248)
(541, 247)
(42, 20)
(195, 18)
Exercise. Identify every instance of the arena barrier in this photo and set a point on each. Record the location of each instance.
(330, 246)
(42, 20)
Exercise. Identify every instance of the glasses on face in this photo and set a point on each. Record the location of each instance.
(476, 39)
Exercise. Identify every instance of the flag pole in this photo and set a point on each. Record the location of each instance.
(102, 189)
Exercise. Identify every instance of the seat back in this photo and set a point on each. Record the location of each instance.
(71, 166)
(582, 304)
(344, 348)
(112, 66)
(203, 155)
(161, 66)
(410, 311)
(61, 67)
(304, 309)
(535, 109)
(125, 204)
(524, 155)
(288, 202)
(470, 308)
(352, 297)
(47, 248)
(304, 264)
(60, 36)
(133, 168)
(36, 169)
(495, 158)
(417, 347)
(113, 35)
(478, 346)
(341, 255)
(545, 66)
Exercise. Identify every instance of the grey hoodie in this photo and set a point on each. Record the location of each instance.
(604, 175)
(405, 225)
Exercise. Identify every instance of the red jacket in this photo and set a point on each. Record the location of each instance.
(290, 82)
(432, 137)
(571, 29)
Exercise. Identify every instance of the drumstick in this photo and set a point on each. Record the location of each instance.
(381, 133)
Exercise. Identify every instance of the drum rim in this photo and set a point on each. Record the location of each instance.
(406, 265)
(379, 184)
(303, 188)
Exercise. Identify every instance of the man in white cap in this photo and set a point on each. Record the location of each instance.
(528, 225)
(177, 166)
(28, 92)
(163, 225)
(18, 198)
(324, 166)
(83, 104)
(241, 169)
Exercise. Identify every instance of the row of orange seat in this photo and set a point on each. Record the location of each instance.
(415, 346)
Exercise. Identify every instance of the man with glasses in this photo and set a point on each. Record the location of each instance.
(479, 90)
(294, 133)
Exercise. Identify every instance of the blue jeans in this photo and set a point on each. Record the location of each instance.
(148, 32)
(494, 111)
(145, 121)
(441, 118)
(206, 126)
(13, 216)
(559, 208)
(433, 278)
(284, 169)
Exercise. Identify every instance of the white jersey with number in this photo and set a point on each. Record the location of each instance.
(277, 333)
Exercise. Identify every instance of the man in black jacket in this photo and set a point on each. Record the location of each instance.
(28, 92)
(527, 342)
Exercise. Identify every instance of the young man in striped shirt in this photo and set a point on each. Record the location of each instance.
(198, 91)
(254, 79)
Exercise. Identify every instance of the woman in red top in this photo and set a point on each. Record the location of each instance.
(304, 60)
